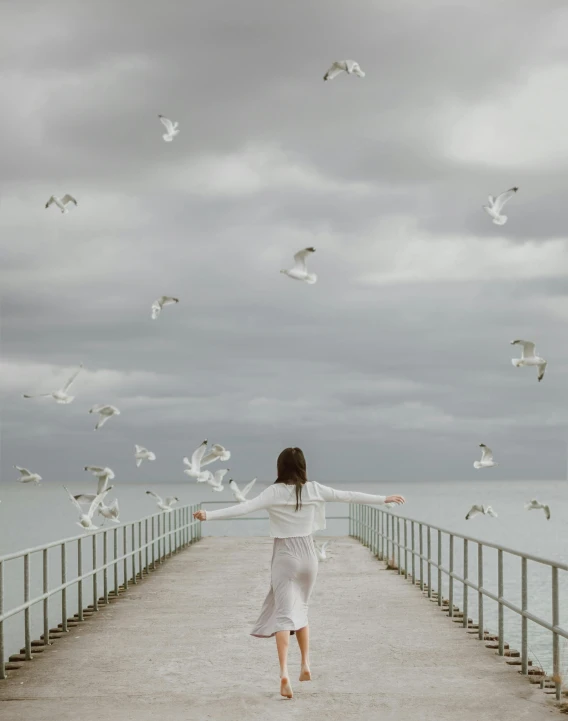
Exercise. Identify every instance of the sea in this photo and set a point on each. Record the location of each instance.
(33, 515)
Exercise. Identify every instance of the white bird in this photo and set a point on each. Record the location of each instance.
(535, 505)
(216, 453)
(143, 454)
(27, 476)
(476, 510)
(529, 357)
(300, 270)
(194, 470)
(88, 498)
(86, 519)
(241, 496)
(171, 128)
(344, 66)
(61, 203)
(61, 395)
(164, 505)
(495, 206)
(111, 512)
(215, 480)
(160, 302)
(105, 412)
(320, 550)
(486, 458)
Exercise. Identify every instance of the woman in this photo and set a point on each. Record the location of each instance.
(296, 508)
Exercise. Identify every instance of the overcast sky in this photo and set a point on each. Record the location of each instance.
(396, 364)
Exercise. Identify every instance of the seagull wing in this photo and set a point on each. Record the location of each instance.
(197, 455)
(139, 449)
(219, 475)
(209, 458)
(94, 469)
(491, 512)
(487, 454)
(74, 501)
(234, 486)
(168, 300)
(96, 503)
(50, 201)
(474, 511)
(23, 471)
(500, 200)
(541, 369)
(167, 124)
(248, 486)
(546, 510)
(356, 68)
(102, 484)
(171, 500)
(300, 259)
(68, 199)
(333, 72)
(85, 497)
(528, 347)
(155, 495)
(72, 378)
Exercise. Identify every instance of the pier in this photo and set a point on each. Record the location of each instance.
(385, 643)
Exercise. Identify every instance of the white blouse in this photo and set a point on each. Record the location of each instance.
(279, 500)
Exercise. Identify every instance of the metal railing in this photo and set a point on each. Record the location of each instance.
(151, 539)
(381, 531)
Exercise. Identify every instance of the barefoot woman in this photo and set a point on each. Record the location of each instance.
(296, 508)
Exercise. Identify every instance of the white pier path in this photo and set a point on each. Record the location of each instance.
(176, 647)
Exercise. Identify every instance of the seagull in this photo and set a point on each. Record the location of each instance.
(27, 476)
(105, 413)
(194, 470)
(160, 302)
(300, 271)
(215, 480)
(529, 357)
(495, 206)
(61, 203)
(164, 505)
(143, 454)
(534, 505)
(61, 396)
(172, 129)
(86, 519)
(88, 498)
(486, 458)
(241, 496)
(217, 452)
(111, 512)
(348, 66)
(320, 550)
(476, 510)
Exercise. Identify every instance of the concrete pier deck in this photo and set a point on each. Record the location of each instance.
(176, 647)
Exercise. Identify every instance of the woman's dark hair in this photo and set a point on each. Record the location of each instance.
(291, 466)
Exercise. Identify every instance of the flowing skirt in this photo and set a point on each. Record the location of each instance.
(293, 575)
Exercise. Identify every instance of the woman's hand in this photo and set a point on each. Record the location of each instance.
(395, 499)
(202, 516)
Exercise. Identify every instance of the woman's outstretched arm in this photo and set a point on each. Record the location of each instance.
(332, 494)
(263, 500)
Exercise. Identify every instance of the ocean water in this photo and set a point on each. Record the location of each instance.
(32, 515)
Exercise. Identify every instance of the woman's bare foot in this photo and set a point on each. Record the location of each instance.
(285, 688)
(305, 673)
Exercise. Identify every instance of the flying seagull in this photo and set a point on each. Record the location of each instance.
(476, 510)
(61, 203)
(143, 454)
(534, 505)
(111, 512)
(86, 519)
(216, 453)
(215, 480)
(529, 357)
(61, 396)
(300, 270)
(340, 66)
(486, 458)
(171, 128)
(241, 496)
(27, 476)
(320, 550)
(159, 303)
(495, 206)
(105, 412)
(194, 470)
(164, 505)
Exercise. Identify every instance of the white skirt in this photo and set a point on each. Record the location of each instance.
(293, 576)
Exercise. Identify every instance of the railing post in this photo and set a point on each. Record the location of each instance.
(429, 546)
(125, 559)
(95, 590)
(153, 543)
(115, 552)
(2, 667)
(413, 553)
(381, 526)
(27, 629)
(80, 615)
(451, 578)
(170, 535)
(501, 608)
(64, 591)
(140, 549)
(45, 600)
(350, 507)
(105, 569)
(376, 534)
(440, 590)
(465, 586)
(480, 633)
(524, 619)
(133, 540)
(146, 549)
(421, 549)
(405, 549)
(555, 636)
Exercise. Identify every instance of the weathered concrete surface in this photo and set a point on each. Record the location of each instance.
(176, 647)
